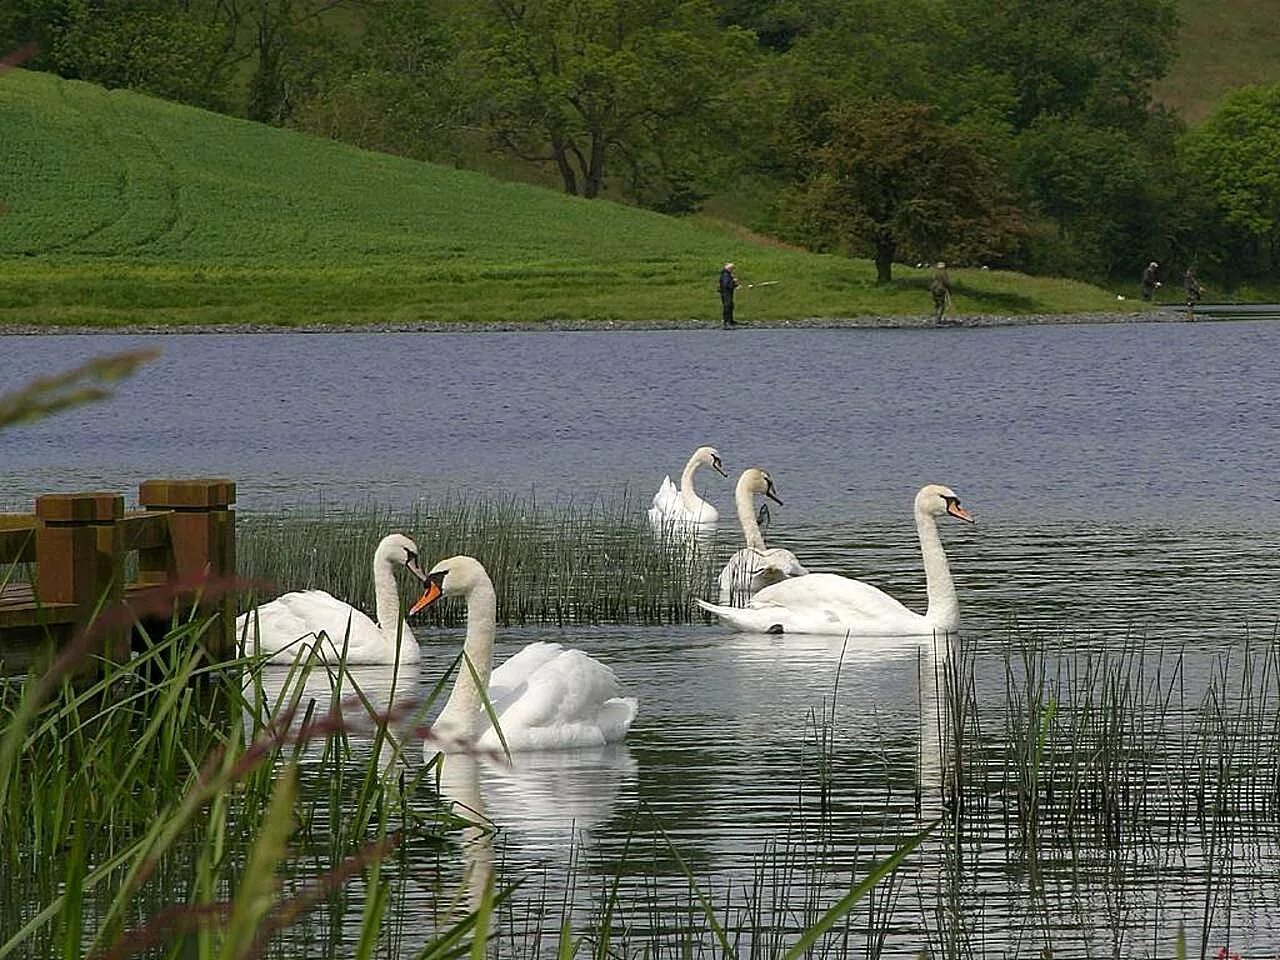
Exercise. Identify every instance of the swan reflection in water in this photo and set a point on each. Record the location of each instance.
(540, 806)
(908, 676)
(316, 688)
(542, 803)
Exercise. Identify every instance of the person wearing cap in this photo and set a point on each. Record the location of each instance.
(728, 283)
(1149, 281)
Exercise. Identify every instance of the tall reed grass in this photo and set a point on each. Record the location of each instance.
(565, 563)
(161, 806)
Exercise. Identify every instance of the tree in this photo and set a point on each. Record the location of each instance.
(895, 179)
(592, 84)
(163, 47)
(1093, 185)
(397, 92)
(1236, 153)
(1093, 57)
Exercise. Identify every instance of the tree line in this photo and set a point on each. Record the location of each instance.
(1018, 133)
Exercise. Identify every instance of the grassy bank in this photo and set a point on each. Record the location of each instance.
(1221, 45)
(125, 210)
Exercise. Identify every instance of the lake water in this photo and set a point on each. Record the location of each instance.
(1124, 481)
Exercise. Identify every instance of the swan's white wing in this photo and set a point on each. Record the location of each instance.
(308, 613)
(667, 499)
(570, 700)
(669, 514)
(750, 570)
(510, 677)
(822, 603)
(784, 562)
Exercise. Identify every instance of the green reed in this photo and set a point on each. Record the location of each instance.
(569, 563)
(158, 802)
(1110, 745)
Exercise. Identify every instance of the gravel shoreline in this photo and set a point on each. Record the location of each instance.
(823, 323)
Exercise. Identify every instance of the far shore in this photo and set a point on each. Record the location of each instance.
(1160, 315)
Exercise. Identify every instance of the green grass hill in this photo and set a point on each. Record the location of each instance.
(123, 209)
(1222, 44)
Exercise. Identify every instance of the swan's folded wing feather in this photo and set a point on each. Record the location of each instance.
(308, 613)
(784, 562)
(571, 700)
(823, 603)
(750, 570)
(667, 498)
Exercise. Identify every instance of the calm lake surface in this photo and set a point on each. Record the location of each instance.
(1124, 481)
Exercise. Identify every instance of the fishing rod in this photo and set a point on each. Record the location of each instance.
(763, 283)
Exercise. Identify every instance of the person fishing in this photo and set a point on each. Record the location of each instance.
(1149, 281)
(728, 284)
(940, 290)
(1194, 288)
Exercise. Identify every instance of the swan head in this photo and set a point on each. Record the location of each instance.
(450, 578)
(709, 456)
(397, 548)
(934, 500)
(755, 481)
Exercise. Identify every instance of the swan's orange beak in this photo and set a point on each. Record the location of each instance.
(958, 511)
(429, 596)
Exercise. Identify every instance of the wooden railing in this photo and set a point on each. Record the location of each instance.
(78, 545)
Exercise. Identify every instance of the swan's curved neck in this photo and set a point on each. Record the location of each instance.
(387, 602)
(689, 496)
(464, 713)
(944, 607)
(747, 517)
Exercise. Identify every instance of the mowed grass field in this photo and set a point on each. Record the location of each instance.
(121, 209)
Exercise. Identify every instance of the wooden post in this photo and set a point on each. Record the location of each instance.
(79, 559)
(202, 530)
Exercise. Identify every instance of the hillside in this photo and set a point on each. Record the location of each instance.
(1222, 44)
(123, 209)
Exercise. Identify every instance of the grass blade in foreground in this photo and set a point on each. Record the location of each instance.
(847, 902)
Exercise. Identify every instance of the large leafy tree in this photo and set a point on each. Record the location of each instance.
(1236, 153)
(602, 88)
(894, 179)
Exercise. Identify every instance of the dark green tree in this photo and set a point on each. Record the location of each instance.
(174, 50)
(398, 91)
(895, 180)
(1093, 57)
(630, 88)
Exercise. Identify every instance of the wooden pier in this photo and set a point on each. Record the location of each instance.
(79, 549)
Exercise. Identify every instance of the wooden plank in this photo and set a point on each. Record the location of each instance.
(18, 608)
(18, 545)
(145, 529)
(79, 507)
(188, 494)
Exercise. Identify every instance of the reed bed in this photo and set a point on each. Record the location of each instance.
(561, 564)
(1117, 746)
(158, 807)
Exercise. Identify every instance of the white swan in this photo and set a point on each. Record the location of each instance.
(827, 603)
(681, 510)
(545, 697)
(755, 566)
(275, 629)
